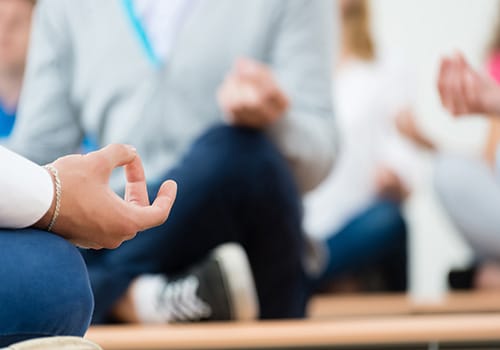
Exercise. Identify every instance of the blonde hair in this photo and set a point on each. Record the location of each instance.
(356, 29)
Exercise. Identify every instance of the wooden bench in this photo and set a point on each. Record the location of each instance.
(334, 306)
(308, 334)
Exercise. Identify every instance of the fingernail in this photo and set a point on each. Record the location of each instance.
(171, 189)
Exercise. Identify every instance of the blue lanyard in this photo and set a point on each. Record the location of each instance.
(141, 33)
(6, 122)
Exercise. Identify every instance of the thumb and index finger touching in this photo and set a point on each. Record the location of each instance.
(136, 195)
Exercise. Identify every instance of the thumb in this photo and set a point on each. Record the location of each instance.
(158, 212)
(166, 195)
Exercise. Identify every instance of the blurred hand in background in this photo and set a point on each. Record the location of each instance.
(407, 126)
(389, 185)
(463, 90)
(250, 95)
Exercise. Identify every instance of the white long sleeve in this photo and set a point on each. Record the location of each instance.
(26, 191)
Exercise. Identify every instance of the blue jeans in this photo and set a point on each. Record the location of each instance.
(374, 239)
(234, 186)
(44, 287)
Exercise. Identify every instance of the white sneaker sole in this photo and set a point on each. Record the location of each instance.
(55, 343)
(238, 279)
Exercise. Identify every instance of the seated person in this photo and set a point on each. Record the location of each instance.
(472, 194)
(44, 286)
(15, 25)
(357, 211)
(469, 188)
(242, 138)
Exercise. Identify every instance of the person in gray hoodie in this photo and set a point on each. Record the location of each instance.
(230, 99)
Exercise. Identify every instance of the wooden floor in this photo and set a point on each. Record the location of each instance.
(307, 334)
(335, 323)
(400, 304)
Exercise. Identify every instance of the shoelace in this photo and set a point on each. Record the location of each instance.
(178, 302)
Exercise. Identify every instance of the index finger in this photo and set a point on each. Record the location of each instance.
(444, 66)
(112, 156)
(254, 72)
(136, 188)
(261, 77)
(443, 82)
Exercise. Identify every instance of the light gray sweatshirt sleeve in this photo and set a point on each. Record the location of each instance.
(302, 61)
(47, 126)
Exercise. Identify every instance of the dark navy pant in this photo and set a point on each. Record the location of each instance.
(44, 287)
(234, 186)
(375, 238)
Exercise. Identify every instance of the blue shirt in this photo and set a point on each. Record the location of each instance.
(7, 119)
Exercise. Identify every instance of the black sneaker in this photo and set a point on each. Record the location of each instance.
(221, 288)
(462, 279)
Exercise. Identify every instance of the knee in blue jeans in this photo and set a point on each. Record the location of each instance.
(49, 291)
(235, 140)
(387, 216)
(245, 153)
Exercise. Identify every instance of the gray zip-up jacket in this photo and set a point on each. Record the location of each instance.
(87, 73)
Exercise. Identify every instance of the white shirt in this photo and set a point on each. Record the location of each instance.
(367, 95)
(26, 191)
(163, 20)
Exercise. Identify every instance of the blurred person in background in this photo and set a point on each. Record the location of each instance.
(357, 210)
(469, 187)
(232, 101)
(15, 25)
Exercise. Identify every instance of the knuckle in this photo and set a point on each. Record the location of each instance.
(114, 244)
(109, 243)
(159, 221)
(130, 227)
(238, 110)
(253, 104)
(264, 71)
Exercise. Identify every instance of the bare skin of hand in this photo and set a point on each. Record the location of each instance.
(389, 185)
(250, 96)
(407, 126)
(91, 214)
(463, 90)
(488, 276)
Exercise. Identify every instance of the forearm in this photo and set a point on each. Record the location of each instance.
(424, 142)
(309, 144)
(493, 103)
(27, 191)
(45, 220)
(492, 141)
(303, 61)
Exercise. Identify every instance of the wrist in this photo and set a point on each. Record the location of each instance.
(496, 106)
(44, 222)
(492, 101)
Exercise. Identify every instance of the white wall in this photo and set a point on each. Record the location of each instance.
(422, 31)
